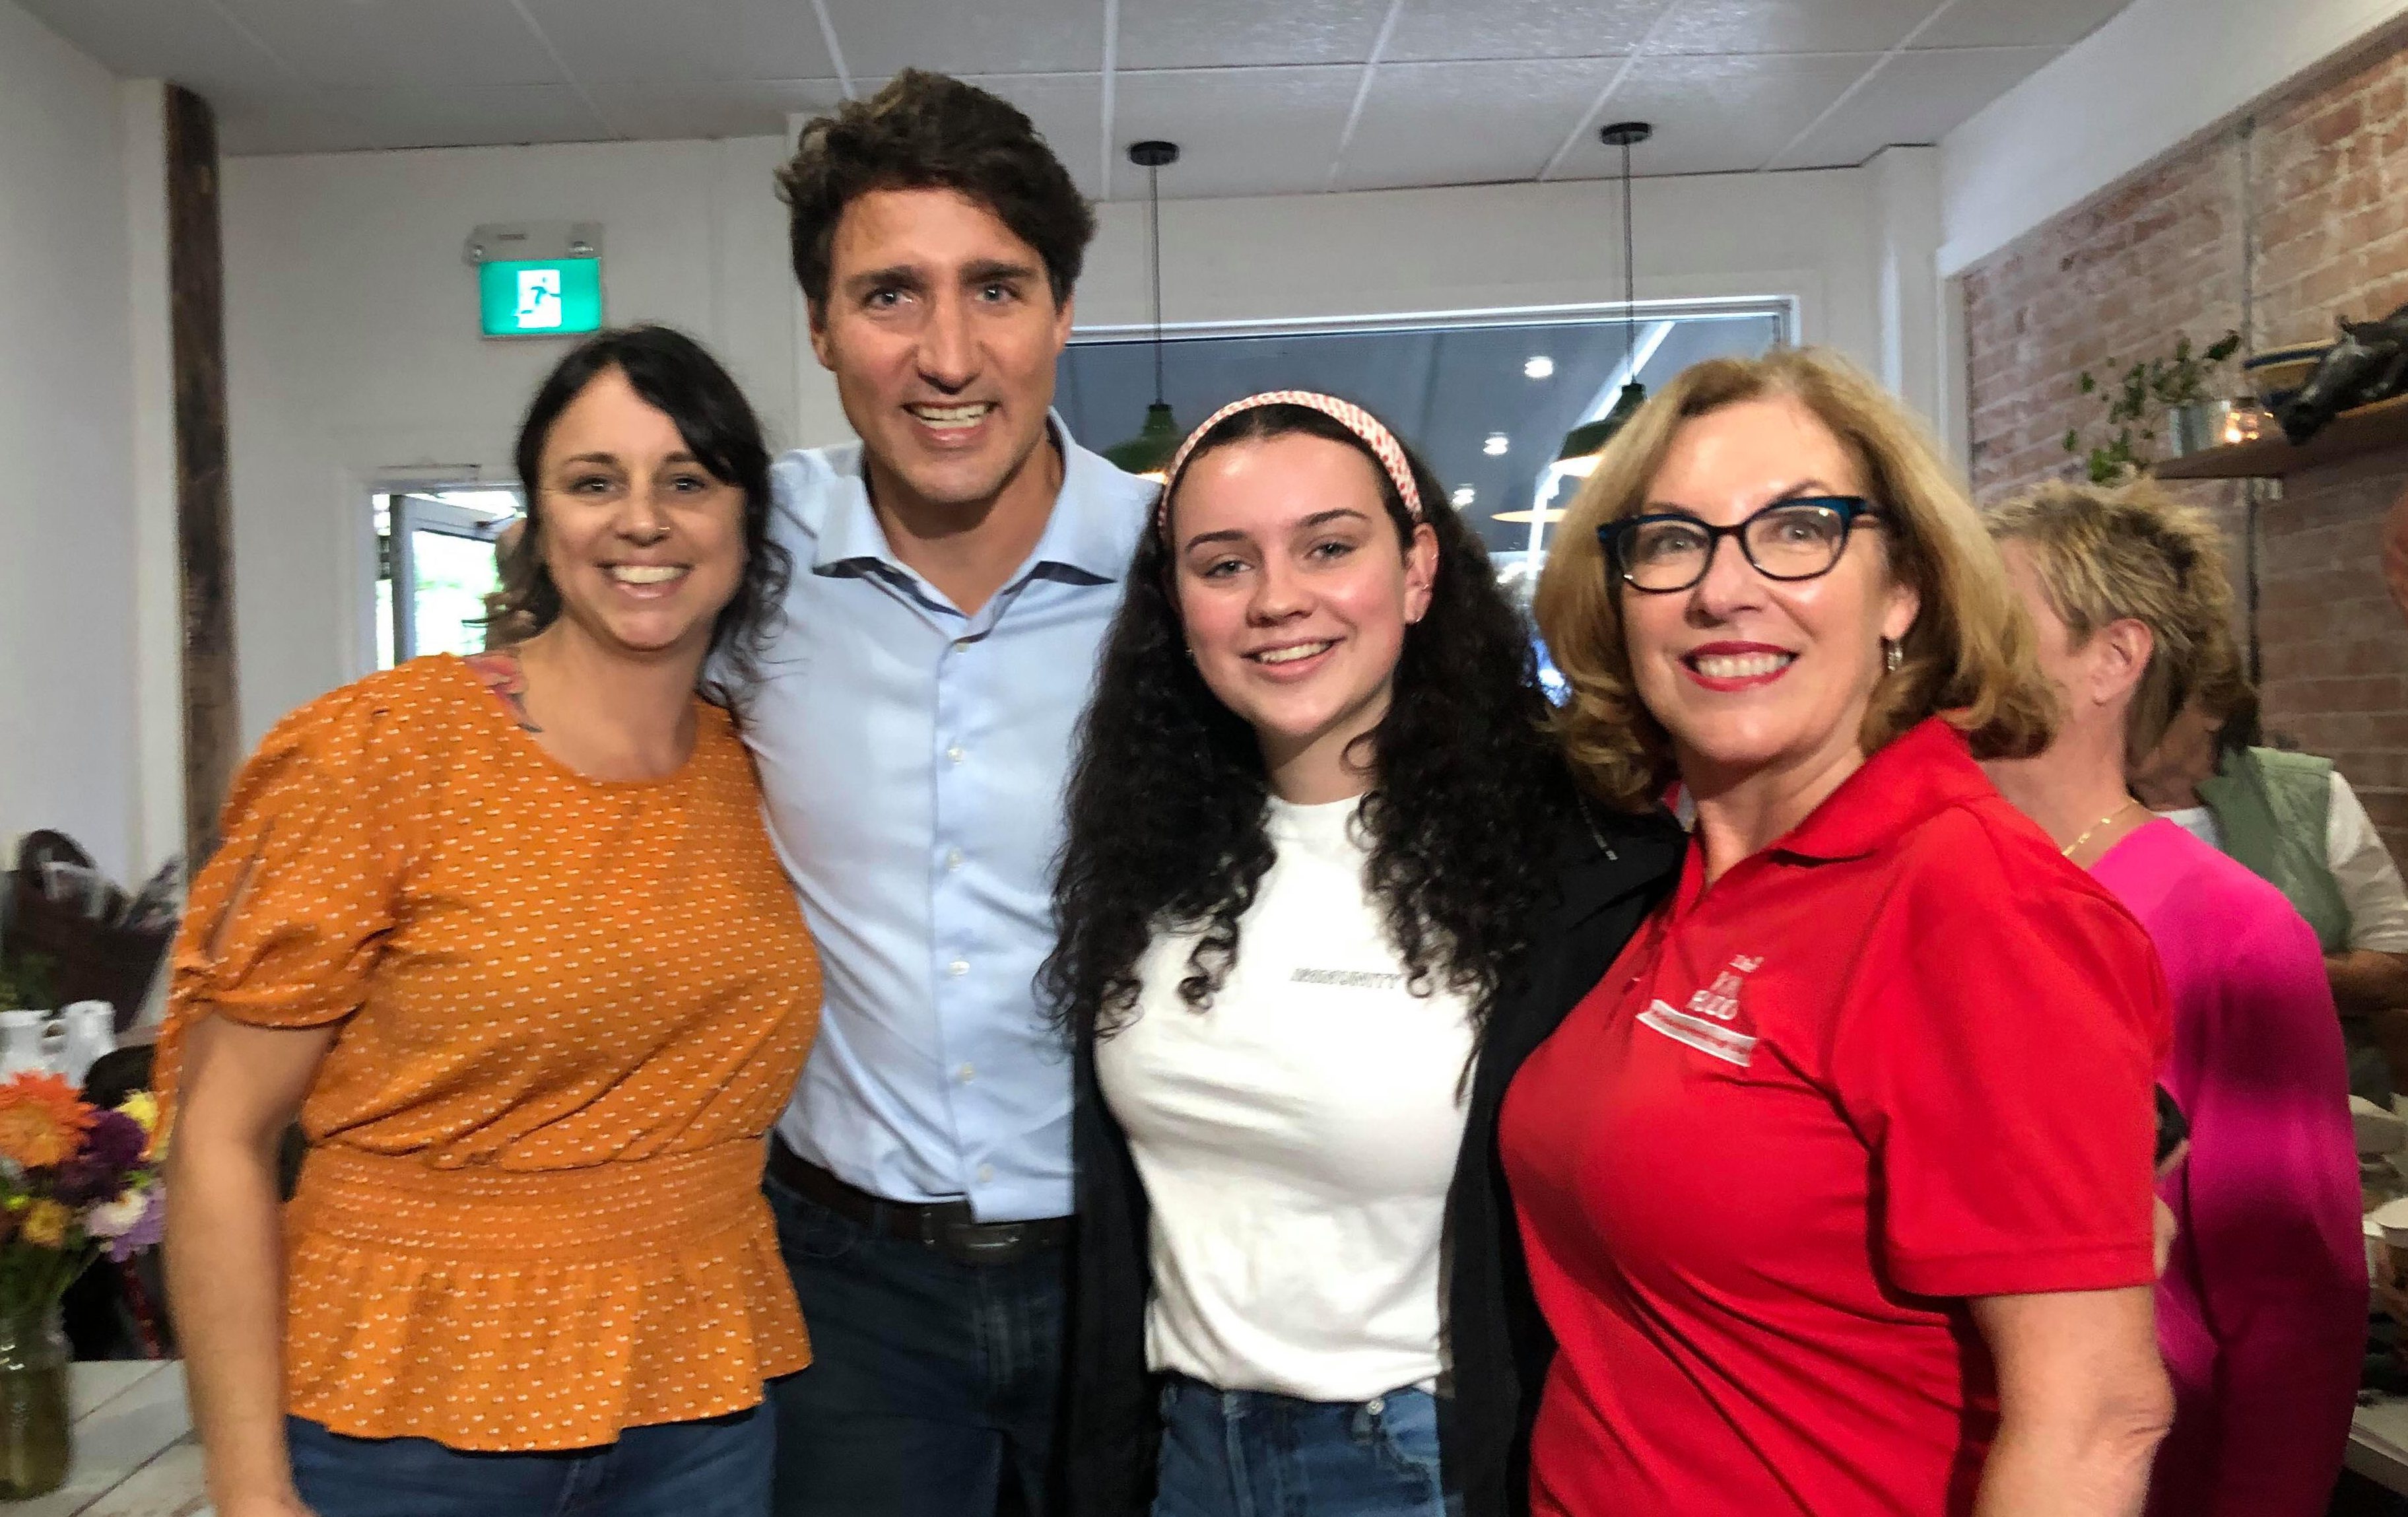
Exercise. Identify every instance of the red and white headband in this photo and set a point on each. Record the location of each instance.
(1353, 418)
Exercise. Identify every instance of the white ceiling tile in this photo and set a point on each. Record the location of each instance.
(1916, 98)
(747, 108)
(284, 118)
(1412, 129)
(881, 37)
(1067, 111)
(1227, 34)
(1715, 115)
(1449, 30)
(390, 42)
(780, 39)
(461, 116)
(1717, 26)
(1241, 131)
(172, 39)
(1989, 23)
(691, 42)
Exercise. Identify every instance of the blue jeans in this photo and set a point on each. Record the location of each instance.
(932, 1381)
(1250, 1453)
(716, 1467)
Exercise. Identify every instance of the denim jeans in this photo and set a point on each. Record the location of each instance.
(1250, 1453)
(716, 1467)
(932, 1381)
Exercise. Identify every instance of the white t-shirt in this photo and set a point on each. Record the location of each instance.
(1297, 1137)
(2361, 865)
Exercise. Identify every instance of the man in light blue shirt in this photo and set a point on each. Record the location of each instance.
(955, 574)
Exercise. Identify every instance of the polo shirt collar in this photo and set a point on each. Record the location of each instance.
(1923, 771)
(1082, 534)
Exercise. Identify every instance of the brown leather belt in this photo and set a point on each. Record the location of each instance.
(950, 1227)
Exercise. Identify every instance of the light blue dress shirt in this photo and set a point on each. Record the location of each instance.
(914, 761)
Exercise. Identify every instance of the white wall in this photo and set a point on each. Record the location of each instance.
(67, 590)
(2156, 75)
(353, 350)
(1808, 236)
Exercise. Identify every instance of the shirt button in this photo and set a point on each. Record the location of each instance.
(952, 859)
(959, 969)
(967, 1073)
(956, 754)
(986, 1174)
(960, 643)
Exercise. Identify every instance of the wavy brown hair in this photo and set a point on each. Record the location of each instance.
(1166, 800)
(1968, 656)
(930, 131)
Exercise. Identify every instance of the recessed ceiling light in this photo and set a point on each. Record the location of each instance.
(1538, 366)
(1495, 445)
(1465, 495)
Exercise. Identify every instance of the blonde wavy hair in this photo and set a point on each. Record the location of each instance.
(1968, 656)
(2134, 552)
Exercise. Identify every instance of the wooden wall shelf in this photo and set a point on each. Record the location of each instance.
(2368, 429)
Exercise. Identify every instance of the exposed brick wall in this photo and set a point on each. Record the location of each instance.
(2274, 225)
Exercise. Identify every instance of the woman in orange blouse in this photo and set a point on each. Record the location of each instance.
(508, 936)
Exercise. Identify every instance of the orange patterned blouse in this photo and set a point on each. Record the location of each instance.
(531, 1212)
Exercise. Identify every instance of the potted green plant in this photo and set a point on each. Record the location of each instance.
(2179, 385)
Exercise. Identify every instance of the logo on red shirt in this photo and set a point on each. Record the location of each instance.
(1715, 1023)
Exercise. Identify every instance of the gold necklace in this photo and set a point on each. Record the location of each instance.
(2128, 803)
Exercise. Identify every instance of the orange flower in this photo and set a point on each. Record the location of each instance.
(42, 1122)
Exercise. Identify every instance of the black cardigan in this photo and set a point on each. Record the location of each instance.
(1612, 871)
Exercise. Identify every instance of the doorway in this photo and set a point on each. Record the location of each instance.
(436, 565)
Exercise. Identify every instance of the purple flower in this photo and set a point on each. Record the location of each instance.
(111, 1149)
(147, 1231)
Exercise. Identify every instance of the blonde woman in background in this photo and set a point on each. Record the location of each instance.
(2261, 1312)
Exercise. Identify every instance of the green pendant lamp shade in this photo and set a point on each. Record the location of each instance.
(1149, 453)
(1589, 439)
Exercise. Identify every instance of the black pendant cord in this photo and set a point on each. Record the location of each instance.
(1154, 197)
(1629, 274)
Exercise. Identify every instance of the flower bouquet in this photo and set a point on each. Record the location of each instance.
(75, 1181)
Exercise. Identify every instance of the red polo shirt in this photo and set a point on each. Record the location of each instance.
(1901, 1057)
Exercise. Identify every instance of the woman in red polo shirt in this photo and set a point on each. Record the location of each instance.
(1836, 1188)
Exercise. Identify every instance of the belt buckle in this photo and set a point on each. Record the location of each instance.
(977, 1243)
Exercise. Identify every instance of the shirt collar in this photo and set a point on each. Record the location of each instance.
(1921, 772)
(1087, 531)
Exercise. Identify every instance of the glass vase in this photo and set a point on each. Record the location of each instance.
(36, 1431)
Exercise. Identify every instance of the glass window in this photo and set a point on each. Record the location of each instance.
(1486, 398)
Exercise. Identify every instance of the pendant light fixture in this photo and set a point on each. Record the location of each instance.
(1148, 454)
(1589, 439)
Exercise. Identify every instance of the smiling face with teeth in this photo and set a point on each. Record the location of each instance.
(1295, 589)
(941, 330)
(1763, 683)
(645, 547)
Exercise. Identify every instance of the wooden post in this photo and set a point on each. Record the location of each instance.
(204, 507)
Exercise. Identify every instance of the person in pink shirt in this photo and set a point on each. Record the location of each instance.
(2261, 1309)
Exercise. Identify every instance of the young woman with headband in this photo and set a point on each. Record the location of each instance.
(1326, 883)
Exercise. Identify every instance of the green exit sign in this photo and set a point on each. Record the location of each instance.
(540, 299)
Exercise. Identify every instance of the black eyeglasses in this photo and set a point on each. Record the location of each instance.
(1799, 538)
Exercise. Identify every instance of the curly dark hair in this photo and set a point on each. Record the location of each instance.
(677, 376)
(1166, 799)
(930, 131)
